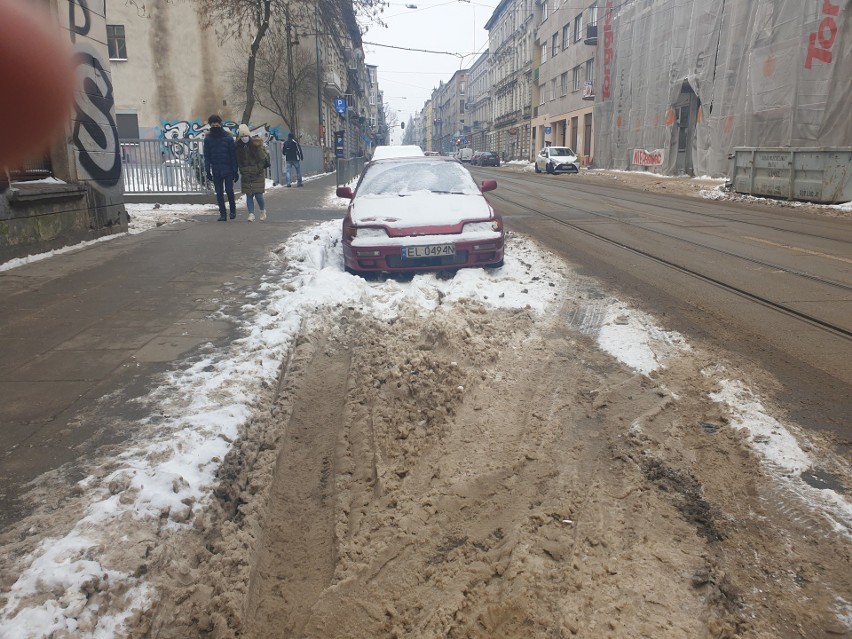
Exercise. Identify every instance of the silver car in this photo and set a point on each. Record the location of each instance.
(557, 159)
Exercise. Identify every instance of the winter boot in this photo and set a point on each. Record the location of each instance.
(222, 218)
(233, 214)
(251, 217)
(262, 215)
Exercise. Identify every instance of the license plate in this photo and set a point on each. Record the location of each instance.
(430, 250)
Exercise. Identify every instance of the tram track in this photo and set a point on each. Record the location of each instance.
(505, 194)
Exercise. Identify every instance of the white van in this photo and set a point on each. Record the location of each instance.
(465, 155)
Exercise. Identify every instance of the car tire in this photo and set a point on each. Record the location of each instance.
(549, 169)
(537, 170)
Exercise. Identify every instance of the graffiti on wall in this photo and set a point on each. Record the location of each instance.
(94, 136)
(196, 130)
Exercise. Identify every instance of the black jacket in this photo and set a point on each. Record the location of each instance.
(220, 153)
(292, 150)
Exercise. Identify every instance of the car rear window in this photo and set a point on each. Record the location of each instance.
(403, 178)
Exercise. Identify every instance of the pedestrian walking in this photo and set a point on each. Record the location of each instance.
(293, 155)
(220, 164)
(253, 161)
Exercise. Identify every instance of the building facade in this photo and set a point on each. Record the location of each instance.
(511, 40)
(479, 104)
(170, 73)
(564, 78)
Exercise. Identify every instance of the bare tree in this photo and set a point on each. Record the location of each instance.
(250, 21)
(284, 72)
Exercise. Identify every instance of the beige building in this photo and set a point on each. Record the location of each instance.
(450, 116)
(564, 87)
(479, 104)
(170, 74)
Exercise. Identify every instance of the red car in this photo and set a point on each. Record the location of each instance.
(419, 214)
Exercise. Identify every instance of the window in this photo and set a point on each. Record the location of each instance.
(564, 80)
(544, 53)
(554, 44)
(578, 28)
(593, 16)
(590, 70)
(127, 125)
(576, 73)
(461, 106)
(544, 9)
(566, 35)
(553, 89)
(461, 87)
(116, 43)
(541, 95)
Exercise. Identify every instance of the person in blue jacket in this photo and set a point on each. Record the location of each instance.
(220, 164)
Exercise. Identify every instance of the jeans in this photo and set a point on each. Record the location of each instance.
(250, 202)
(224, 184)
(290, 165)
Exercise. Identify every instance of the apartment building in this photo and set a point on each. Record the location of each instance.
(564, 78)
(450, 126)
(511, 41)
(479, 104)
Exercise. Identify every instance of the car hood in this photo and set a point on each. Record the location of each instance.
(419, 209)
(563, 159)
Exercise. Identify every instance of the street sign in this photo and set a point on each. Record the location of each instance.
(547, 130)
(340, 105)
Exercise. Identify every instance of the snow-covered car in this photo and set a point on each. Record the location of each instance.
(419, 214)
(556, 159)
(397, 151)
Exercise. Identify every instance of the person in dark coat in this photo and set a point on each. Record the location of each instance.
(220, 164)
(293, 155)
(252, 159)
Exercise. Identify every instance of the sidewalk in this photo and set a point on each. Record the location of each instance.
(84, 332)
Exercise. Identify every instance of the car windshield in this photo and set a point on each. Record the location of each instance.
(409, 177)
(560, 151)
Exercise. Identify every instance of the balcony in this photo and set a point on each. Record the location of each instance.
(591, 34)
(333, 83)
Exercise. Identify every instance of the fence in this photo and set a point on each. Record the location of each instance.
(348, 170)
(177, 166)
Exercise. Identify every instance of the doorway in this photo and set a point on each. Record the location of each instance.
(686, 114)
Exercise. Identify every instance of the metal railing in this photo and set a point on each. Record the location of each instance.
(349, 169)
(177, 166)
(32, 169)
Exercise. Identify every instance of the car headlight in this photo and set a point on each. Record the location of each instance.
(370, 232)
(481, 227)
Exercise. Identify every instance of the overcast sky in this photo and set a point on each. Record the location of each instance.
(408, 77)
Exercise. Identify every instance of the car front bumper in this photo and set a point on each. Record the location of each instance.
(565, 168)
(389, 257)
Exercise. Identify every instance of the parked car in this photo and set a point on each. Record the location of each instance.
(397, 151)
(488, 158)
(475, 158)
(557, 159)
(419, 214)
(465, 154)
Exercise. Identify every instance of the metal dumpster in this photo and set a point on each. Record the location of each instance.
(822, 175)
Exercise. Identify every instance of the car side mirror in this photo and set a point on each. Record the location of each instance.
(345, 192)
(488, 185)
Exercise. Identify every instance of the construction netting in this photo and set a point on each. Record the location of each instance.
(681, 83)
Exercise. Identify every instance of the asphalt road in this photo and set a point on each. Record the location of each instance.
(769, 286)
